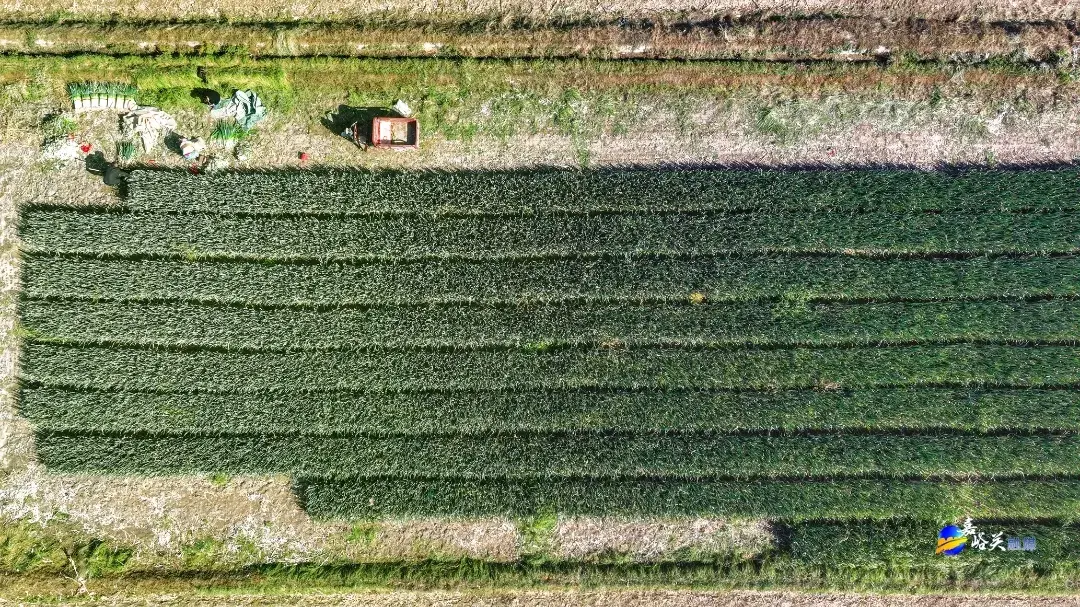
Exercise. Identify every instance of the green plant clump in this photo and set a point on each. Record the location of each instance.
(78, 90)
(127, 151)
(59, 126)
(228, 131)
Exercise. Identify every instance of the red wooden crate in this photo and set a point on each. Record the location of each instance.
(395, 133)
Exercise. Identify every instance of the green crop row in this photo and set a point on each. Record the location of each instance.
(905, 543)
(780, 322)
(425, 235)
(619, 277)
(846, 499)
(337, 192)
(553, 411)
(670, 367)
(593, 455)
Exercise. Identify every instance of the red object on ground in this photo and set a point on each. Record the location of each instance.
(303, 156)
(194, 168)
(86, 147)
(393, 133)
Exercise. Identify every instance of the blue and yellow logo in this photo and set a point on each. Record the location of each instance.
(950, 541)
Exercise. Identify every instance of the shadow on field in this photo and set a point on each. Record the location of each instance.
(172, 143)
(332, 122)
(346, 116)
(208, 96)
(110, 173)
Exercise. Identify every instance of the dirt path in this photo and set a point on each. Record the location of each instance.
(833, 131)
(988, 10)
(839, 39)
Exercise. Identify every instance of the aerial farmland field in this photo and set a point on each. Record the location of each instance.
(711, 304)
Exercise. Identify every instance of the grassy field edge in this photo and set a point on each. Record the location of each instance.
(894, 556)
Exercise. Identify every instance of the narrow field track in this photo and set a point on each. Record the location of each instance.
(667, 35)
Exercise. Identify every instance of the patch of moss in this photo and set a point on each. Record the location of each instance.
(363, 534)
(203, 555)
(28, 548)
(536, 534)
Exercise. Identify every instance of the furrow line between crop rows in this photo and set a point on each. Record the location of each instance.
(584, 256)
(545, 434)
(970, 210)
(187, 255)
(473, 304)
(31, 383)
